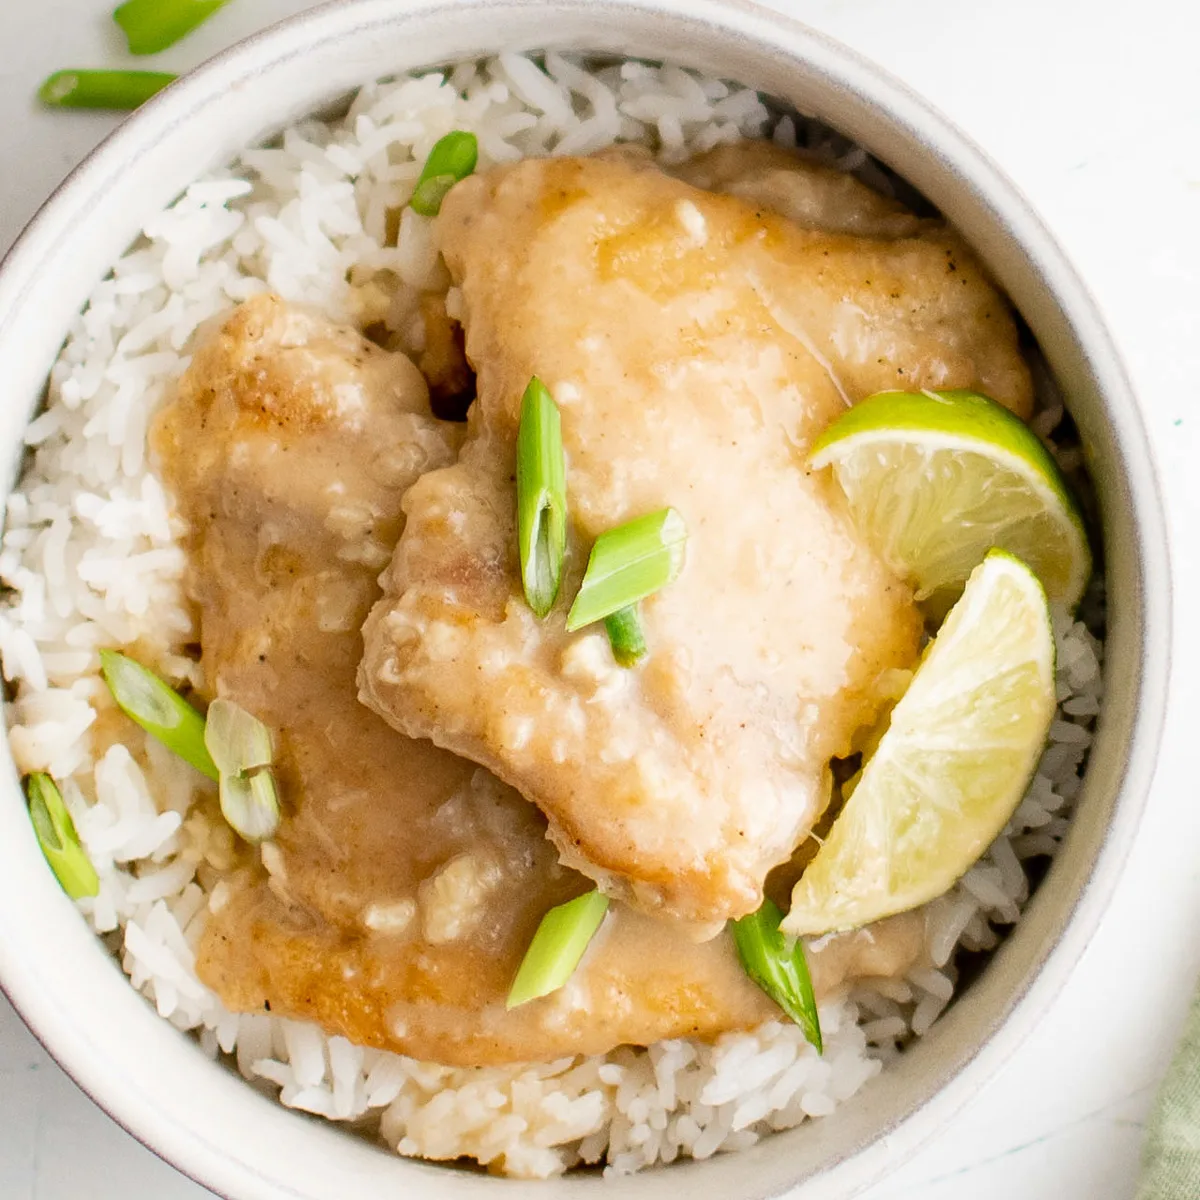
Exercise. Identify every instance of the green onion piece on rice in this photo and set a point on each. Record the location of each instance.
(57, 837)
(158, 709)
(451, 159)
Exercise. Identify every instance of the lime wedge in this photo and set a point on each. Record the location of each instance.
(936, 479)
(962, 745)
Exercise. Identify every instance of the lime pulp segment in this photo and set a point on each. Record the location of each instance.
(963, 743)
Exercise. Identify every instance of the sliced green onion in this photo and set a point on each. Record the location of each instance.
(624, 631)
(557, 947)
(427, 199)
(57, 837)
(451, 159)
(240, 745)
(250, 803)
(153, 25)
(158, 709)
(628, 564)
(102, 89)
(778, 966)
(237, 740)
(541, 497)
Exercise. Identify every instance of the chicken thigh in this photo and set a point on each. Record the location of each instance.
(696, 344)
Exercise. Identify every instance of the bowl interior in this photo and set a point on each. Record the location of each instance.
(74, 996)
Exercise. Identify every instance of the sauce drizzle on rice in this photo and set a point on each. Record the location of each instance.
(92, 553)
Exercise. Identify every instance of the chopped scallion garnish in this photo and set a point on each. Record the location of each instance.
(541, 497)
(158, 709)
(232, 746)
(237, 740)
(240, 745)
(153, 25)
(557, 947)
(624, 630)
(451, 159)
(778, 966)
(250, 803)
(57, 837)
(628, 564)
(102, 89)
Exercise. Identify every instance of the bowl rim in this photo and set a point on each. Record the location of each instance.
(185, 101)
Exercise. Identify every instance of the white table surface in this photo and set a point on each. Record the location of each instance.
(1093, 107)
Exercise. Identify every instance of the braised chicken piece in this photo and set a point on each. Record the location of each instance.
(288, 448)
(404, 884)
(810, 194)
(696, 344)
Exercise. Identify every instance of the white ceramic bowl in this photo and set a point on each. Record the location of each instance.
(202, 1117)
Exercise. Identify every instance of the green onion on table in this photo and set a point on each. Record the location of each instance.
(58, 839)
(153, 25)
(541, 497)
(452, 158)
(778, 966)
(149, 26)
(557, 947)
(102, 89)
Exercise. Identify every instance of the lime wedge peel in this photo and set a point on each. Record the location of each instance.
(963, 743)
(936, 479)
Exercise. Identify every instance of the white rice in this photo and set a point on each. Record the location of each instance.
(90, 555)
